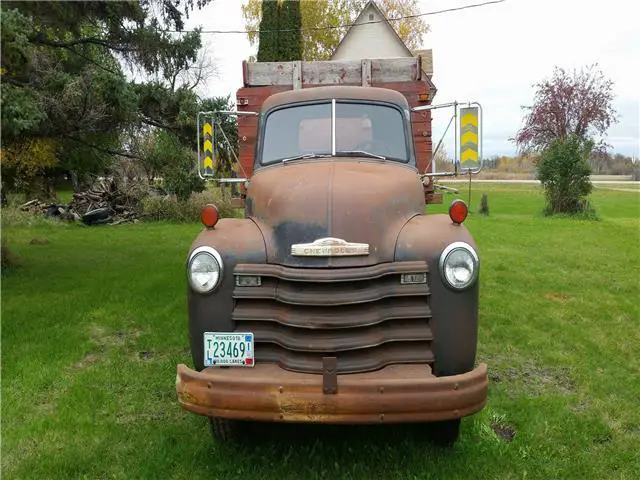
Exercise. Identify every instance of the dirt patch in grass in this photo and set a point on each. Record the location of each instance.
(505, 431)
(152, 356)
(533, 380)
(581, 406)
(88, 360)
(557, 297)
(104, 341)
(101, 336)
(39, 241)
(144, 355)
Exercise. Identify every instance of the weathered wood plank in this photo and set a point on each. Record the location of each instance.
(366, 73)
(332, 72)
(297, 75)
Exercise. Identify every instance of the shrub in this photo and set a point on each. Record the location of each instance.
(564, 173)
(180, 179)
(177, 165)
(170, 208)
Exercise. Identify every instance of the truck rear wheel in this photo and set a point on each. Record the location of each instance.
(444, 433)
(223, 429)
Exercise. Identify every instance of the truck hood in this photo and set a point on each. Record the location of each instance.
(356, 201)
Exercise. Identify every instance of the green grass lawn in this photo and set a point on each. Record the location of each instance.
(94, 323)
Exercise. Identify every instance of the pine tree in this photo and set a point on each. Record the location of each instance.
(290, 41)
(280, 35)
(268, 39)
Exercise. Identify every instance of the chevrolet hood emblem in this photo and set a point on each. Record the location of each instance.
(329, 247)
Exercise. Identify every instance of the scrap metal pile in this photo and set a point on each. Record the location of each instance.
(105, 202)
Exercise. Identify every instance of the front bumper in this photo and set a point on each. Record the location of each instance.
(397, 393)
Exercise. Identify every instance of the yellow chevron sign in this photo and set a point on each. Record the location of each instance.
(469, 137)
(469, 156)
(469, 118)
(207, 146)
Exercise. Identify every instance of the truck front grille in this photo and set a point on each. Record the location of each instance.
(365, 316)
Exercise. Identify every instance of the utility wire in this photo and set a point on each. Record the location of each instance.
(435, 12)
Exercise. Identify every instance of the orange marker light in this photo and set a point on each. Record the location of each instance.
(458, 211)
(209, 215)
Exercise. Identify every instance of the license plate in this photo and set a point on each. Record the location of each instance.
(228, 349)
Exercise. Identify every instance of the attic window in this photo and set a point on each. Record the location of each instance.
(371, 16)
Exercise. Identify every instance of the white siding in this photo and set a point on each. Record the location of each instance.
(370, 40)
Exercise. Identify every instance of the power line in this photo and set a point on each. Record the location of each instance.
(435, 12)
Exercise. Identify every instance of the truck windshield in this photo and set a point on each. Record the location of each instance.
(364, 129)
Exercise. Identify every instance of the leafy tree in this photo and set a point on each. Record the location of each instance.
(27, 162)
(179, 167)
(569, 112)
(164, 153)
(564, 173)
(322, 23)
(577, 103)
(63, 80)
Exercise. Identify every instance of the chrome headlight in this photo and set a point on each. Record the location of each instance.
(204, 269)
(459, 265)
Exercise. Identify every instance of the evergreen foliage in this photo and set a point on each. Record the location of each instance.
(290, 40)
(66, 102)
(280, 37)
(268, 42)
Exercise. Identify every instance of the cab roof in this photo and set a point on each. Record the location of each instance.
(341, 92)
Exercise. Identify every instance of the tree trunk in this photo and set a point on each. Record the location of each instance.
(74, 181)
(41, 188)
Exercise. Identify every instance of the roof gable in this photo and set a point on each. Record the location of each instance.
(372, 8)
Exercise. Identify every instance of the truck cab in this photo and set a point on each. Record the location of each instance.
(336, 299)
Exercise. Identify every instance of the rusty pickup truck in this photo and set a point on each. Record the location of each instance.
(337, 299)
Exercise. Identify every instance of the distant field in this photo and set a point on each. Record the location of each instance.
(94, 323)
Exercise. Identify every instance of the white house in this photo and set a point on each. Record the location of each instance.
(373, 36)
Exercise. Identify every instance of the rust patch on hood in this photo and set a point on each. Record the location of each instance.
(354, 200)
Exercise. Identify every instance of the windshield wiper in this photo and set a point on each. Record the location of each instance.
(360, 153)
(305, 156)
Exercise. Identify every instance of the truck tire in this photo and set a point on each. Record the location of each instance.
(444, 433)
(223, 429)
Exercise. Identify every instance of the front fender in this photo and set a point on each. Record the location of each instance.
(455, 314)
(238, 240)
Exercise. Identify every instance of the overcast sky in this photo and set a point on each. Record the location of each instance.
(493, 55)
